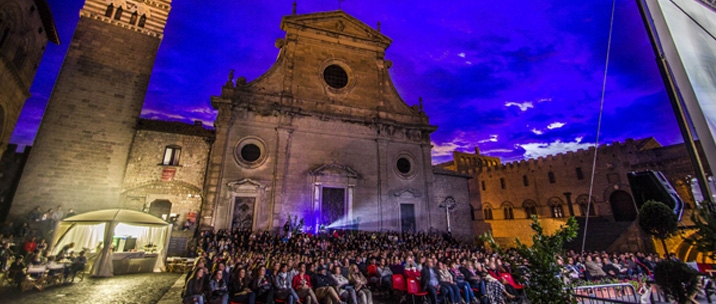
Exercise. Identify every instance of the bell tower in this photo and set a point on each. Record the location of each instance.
(79, 156)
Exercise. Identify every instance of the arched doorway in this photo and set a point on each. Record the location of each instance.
(161, 208)
(622, 206)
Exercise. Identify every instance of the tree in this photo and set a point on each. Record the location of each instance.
(659, 221)
(544, 286)
(676, 279)
(704, 239)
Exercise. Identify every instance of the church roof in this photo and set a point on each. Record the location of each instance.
(442, 171)
(196, 129)
(47, 21)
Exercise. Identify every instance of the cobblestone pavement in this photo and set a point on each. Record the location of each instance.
(132, 288)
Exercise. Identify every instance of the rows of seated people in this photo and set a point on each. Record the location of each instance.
(245, 267)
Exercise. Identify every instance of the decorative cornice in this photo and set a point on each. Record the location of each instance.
(91, 15)
(234, 185)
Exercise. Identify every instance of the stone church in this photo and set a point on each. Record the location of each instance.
(322, 135)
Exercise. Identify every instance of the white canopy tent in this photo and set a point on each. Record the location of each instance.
(94, 230)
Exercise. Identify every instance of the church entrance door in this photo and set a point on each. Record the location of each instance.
(243, 212)
(333, 205)
(407, 218)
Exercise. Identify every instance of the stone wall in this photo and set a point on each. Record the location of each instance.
(453, 186)
(29, 28)
(147, 179)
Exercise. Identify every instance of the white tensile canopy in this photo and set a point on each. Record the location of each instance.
(93, 230)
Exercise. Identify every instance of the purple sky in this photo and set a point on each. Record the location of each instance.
(519, 78)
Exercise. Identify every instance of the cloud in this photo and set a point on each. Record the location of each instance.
(534, 150)
(524, 106)
(461, 55)
(493, 138)
(488, 152)
(556, 125)
(536, 131)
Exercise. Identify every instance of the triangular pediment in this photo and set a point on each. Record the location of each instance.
(336, 23)
(334, 169)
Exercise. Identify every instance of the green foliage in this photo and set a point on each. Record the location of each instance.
(543, 284)
(676, 279)
(658, 220)
(704, 239)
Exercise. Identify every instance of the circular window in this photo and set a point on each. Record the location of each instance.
(403, 165)
(335, 76)
(250, 152)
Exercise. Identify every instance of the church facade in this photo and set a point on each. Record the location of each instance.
(322, 136)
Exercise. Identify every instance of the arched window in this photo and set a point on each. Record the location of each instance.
(582, 202)
(142, 20)
(171, 155)
(557, 211)
(551, 177)
(487, 212)
(525, 180)
(530, 208)
(502, 183)
(507, 211)
(118, 14)
(133, 18)
(110, 10)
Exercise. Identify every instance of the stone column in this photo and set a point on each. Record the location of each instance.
(382, 159)
(282, 155)
(568, 196)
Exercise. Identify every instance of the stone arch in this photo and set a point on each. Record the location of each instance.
(582, 201)
(622, 205)
(556, 207)
(487, 211)
(530, 208)
(508, 212)
(161, 208)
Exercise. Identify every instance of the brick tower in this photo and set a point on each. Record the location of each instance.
(79, 156)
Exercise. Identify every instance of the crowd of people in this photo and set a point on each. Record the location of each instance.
(246, 267)
(23, 248)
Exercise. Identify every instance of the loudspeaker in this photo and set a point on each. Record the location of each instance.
(653, 185)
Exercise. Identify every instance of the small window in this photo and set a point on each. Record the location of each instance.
(472, 212)
(502, 183)
(133, 18)
(525, 180)
(171, 156)
(508, 213)
(118, 14)
(551, 177)
(488, 213)
(250, 153)
(557, 211)
(109, 11)
(580, 174)
(483, 185)
(142, 20)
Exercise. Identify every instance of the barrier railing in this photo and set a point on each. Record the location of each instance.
(608, 293)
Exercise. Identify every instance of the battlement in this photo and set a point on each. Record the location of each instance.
(477, 163)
